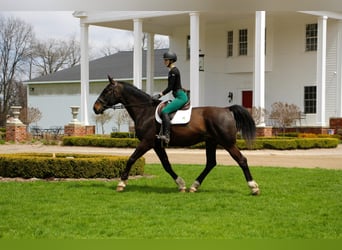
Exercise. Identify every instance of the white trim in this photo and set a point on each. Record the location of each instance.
(194, 58)
(150, 63)
(339, 71)
(321, 69)
(259, 63)
(84, 73)
(91, 81)
(137, 53)
(329, 14)
(94, 17)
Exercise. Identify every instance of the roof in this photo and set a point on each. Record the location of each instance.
(118, 65)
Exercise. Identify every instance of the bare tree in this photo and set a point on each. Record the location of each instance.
(121, 116)
(16, 38)
(284, 114)
(258, 114)
(108, 50)
(102, 119)
(53, 55)
(33, 115)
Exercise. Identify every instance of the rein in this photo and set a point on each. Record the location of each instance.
(125, 105)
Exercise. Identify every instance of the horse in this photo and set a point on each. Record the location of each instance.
(213, 125)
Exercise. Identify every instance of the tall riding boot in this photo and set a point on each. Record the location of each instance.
(166, 128)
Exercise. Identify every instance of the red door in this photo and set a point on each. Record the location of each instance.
(247, 99)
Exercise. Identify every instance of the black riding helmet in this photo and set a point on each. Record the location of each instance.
(170, 56)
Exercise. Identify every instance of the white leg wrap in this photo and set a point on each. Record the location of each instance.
(181, 184)
(254, 187)
(194, 187)
(122, 184)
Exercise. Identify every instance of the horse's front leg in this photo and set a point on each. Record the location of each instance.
(167, 166)
(141, 149)
(210, 148)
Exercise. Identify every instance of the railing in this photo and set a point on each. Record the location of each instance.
(40, 133)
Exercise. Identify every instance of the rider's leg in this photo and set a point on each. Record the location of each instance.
(166, 127)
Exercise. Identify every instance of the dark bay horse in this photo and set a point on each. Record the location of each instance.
(214, 125)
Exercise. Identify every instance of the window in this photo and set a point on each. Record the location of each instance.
(243, 44)
(230, 44)
(310, 99)
(311, 37)
(188, 48)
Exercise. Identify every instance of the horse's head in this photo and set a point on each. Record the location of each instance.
(108, 98)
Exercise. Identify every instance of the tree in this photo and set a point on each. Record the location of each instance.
(121, 116)
(284, 114)
(53, 55)
(16, 38)
(33, 115)
(258, 114)
(103, 119)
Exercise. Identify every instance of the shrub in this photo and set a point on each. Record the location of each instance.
(280, 143)
(46, 165)
(122, 135)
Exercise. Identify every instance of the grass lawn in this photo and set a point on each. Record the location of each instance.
(294, 204)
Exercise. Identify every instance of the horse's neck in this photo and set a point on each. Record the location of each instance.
(138, 108)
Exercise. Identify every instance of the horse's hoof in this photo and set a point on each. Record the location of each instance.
(256, 192)
(254, 187)
(182, 190)
(194, 187)
(121, 186)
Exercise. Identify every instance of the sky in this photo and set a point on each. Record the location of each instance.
(62, 25)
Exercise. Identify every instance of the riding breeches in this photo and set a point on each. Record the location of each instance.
(181, 98)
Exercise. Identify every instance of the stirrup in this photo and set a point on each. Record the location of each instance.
(164, 138)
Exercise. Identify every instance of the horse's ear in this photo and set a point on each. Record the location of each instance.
(111, 80)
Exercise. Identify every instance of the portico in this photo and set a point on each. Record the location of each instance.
(196, 25)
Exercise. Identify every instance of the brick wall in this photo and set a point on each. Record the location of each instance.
(78, 130)
(336, 124)
(16, 133)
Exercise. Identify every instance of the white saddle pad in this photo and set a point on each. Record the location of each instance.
(181, 116)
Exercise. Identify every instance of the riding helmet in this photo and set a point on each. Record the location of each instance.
(170, 56)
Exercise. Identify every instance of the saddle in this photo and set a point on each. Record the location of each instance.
(181, 116)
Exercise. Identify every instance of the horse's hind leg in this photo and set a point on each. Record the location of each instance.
(242, 161)
(211, 163)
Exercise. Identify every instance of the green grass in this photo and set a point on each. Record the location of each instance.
(294, 204)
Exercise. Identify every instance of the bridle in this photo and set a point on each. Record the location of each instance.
(100, 100)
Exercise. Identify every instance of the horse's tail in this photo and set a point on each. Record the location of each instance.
(244, 123)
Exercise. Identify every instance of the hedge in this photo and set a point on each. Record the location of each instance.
(260, 143)
(294, 143)
(100, 142)
(63, 165)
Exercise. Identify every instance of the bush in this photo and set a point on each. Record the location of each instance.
(281, 143)
(100, 142)
(122, 135)
(47, 165)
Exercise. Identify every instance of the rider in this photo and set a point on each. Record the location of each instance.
(180, 96)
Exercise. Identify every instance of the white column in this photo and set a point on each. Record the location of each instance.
(194, 59)
(259, 64)
(339, 71)
(84, 73)
(137, 56)
(150, 64)
(321, 70)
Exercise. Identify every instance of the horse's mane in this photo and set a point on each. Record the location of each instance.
(131, 89)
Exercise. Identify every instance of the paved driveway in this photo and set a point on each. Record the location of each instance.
(311, 158)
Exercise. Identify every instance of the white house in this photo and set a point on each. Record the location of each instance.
(248, 58)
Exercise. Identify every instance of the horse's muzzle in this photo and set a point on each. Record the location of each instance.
(98, 108)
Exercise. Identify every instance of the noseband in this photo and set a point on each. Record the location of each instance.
(104, 105)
